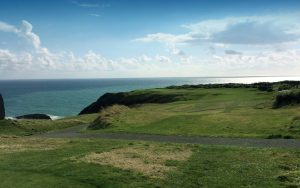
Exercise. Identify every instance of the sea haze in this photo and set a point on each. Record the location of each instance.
(69, 97)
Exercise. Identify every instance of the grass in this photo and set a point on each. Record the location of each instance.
(150, 161)
(11, 144)
(100, 163)
(27, 161)
(215, 112)
(106, 115)
(29, 127)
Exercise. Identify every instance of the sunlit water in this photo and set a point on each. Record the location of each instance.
(69, 97)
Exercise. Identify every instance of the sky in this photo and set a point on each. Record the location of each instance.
(148, 38)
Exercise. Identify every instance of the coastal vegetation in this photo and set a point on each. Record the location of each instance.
(287, 97)
(216, 110)
(106, 115)
(223, 110)
(30, 127)
(35, 162)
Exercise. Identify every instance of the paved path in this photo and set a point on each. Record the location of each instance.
(74, 132)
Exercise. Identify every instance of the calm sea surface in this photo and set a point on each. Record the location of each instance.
(69, 97)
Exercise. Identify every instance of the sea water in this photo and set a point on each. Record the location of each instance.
(69, 97)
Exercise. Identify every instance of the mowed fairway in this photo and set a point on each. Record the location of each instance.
(220, 112)
(32, 162)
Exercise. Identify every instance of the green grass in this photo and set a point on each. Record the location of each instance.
(29, 127)
(26, 163)
(225, 112)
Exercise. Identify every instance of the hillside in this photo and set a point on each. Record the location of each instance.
(226, 110)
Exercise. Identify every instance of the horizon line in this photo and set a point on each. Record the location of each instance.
(148, 77)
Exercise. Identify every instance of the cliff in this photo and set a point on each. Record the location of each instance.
(2, 109)
(128, 99)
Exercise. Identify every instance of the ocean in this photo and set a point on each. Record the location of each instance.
(68, 97)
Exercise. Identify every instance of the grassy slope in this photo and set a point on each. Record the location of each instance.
(32, 162)
(207, 166)
(29, 127)
(238, 112)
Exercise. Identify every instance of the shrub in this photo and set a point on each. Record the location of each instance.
(283, 87)
(265, 86)
(287, 98)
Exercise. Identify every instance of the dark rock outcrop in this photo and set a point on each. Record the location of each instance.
(128, 99)
(34, 116)
(2, 109)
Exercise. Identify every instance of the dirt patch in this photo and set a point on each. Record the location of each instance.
(17, 144)
(149, 160)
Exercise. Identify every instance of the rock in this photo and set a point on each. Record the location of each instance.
(34, 116)
(2, 109)
(105, 100)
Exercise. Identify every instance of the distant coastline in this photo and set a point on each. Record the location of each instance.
(167, 77)
(66, 97)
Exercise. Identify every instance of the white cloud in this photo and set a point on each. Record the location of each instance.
(255, 30)
(42, 63)
(233, 52)
(94, 15)
(91, 5)
(4, 27)
(268, 61)
(85, 5)
(163, 59)
(25, 31)
(253, 33)
(164, 38)
(95, 65)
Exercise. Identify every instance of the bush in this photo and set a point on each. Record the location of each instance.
(262, 86)
(287, 98)
(265, 87)
(284, 87)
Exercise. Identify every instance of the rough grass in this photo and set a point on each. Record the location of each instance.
(29, 127)
(106, 115)
(189, 165)
(9, 144)
(148, 160)
(225, 112)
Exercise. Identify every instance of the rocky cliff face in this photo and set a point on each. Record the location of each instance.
(128, 99)
(2, 109)
(34, 116)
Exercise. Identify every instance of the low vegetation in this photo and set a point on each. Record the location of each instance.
(263, 86)
(106, 116)
(152, 161)
(222, 112)
(12, 144)
(29, 127)
(105, 163)
(230, 110)
(285, 98)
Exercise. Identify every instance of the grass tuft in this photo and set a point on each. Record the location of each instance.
(106, 115)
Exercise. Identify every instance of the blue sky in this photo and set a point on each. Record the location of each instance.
(148, 38)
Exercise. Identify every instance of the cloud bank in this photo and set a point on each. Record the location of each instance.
(263, 30)
(236, 46)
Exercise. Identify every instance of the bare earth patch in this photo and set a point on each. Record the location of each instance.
(150, 160)
(9, 144)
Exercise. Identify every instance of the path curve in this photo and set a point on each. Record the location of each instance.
(74, 132)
